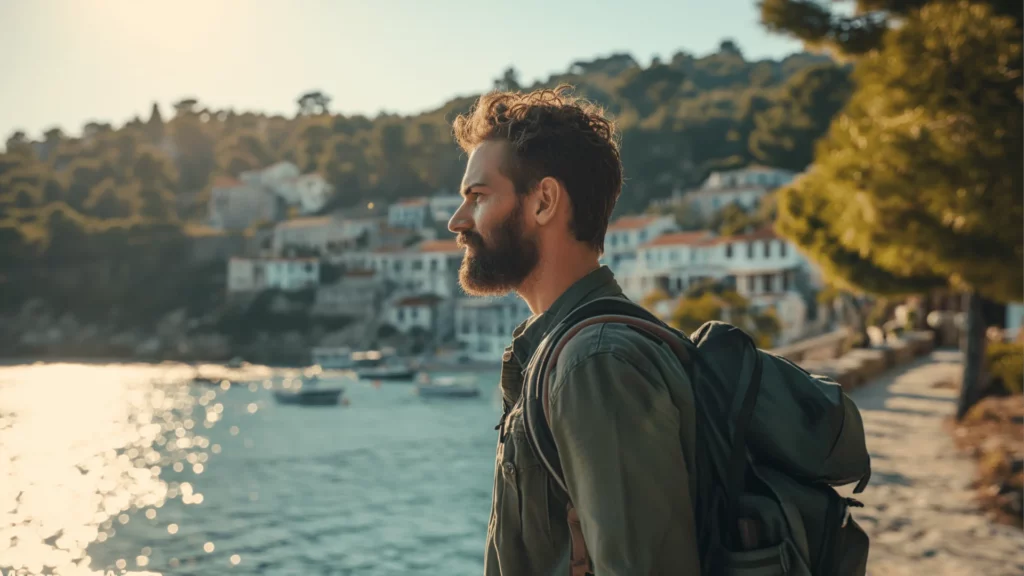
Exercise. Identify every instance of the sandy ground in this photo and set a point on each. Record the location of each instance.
(919, 508)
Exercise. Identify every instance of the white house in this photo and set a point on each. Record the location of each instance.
(750, 177)
(671, 262)
(483, 326)
(257, 274)
(627, 233)
(708, 201)
(757, 263)
(430, 267)
(311, 192)
(308, 192)
(323, 234)
(271, 175)
(235, 205)
(410, 213)
(411, 312)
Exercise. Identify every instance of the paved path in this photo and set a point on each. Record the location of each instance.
(919, 510)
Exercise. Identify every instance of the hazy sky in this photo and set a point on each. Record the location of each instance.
(72, 61)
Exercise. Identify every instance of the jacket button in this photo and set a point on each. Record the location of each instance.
(510, 468)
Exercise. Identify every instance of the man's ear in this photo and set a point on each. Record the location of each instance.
(548, 199)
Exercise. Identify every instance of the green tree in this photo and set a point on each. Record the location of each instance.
(918, 183)
(313, 103)
(508, 81)
(786, 132)
(242, 151)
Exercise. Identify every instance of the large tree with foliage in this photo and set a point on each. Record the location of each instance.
(918, 183)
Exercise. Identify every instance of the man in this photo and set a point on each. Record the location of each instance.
(542, 178)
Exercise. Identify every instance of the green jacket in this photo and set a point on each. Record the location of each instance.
(622, 414)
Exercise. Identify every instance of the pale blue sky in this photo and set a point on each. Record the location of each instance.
(72, 61)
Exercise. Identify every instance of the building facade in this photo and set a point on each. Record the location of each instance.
(483, 326)
(257, 274)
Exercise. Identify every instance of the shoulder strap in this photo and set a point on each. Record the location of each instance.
(538, 373)
(537, 415)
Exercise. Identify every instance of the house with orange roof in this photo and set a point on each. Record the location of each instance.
(627, 233)
(428, 267)
(760, 266)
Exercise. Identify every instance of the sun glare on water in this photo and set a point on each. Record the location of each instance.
(81, 447)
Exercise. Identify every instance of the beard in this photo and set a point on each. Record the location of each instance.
(499, 268)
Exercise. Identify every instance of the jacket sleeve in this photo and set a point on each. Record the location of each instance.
(618, 438)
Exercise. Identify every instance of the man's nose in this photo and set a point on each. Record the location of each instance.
(460, 221)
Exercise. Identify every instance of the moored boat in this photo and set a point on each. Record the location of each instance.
(429, 386)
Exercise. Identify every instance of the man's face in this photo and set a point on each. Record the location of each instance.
(500, 250)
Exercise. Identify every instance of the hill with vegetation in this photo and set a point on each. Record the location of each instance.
(97, 225)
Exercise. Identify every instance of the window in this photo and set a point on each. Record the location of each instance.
(767, 282)
(417, 264)
(728, 250)
(750, 250)
(401, 315)
(750, 284)
(785, 281)
(614, 239)
(643, 235)
(414, 313)
(768, 249)
(433, 264)
(782, 249)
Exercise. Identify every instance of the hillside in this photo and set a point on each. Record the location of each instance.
(88, 220)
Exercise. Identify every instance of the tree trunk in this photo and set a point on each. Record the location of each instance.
(974, 354)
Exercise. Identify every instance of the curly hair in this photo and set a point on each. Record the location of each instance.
(553, 134)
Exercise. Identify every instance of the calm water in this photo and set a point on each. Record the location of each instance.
(128, 468)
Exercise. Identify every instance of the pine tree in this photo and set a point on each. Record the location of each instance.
(918, 183)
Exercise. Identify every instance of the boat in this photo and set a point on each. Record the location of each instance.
(446, 386)
(381, 365)
(333, 358)
(308, 391)
(309, 397)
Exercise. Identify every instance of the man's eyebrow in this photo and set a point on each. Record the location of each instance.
(466, 190)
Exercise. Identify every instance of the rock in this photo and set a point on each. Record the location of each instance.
(874, 360)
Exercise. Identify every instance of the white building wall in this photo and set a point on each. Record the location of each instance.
(406, 317)
(483, 326)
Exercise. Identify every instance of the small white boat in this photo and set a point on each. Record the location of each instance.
(308, 392)
(446, 386)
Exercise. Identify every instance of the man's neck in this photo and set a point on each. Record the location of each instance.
(553, 276)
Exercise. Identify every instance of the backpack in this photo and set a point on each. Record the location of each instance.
(772, 441)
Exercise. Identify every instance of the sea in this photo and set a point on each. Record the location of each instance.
(135, 469)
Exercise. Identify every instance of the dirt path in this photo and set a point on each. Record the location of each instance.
(919, 510)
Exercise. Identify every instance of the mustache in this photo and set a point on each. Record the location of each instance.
(469, 240)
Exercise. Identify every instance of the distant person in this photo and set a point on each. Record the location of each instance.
(542, 178)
